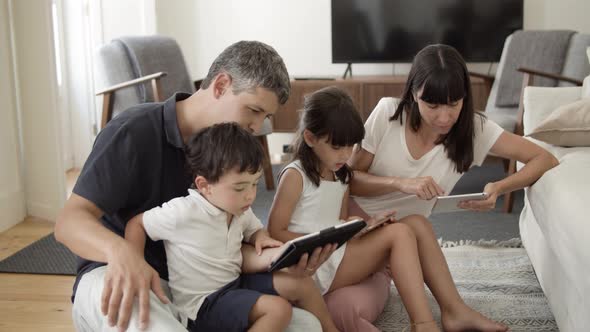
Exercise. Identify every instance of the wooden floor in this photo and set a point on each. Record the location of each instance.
(34, 302)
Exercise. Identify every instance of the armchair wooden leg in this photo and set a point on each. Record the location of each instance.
(509, 197)
(266, 165)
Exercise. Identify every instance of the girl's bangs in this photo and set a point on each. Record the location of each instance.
(345, 132)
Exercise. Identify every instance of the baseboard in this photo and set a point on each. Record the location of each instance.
(43, 211)
(12, 209)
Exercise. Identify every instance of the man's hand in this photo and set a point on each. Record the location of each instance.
(424, 187)
(128, 275)
(309, 264)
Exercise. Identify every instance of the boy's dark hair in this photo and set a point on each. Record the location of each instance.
(252, 64)
(442, 72)
(220, 148)
(329, 113)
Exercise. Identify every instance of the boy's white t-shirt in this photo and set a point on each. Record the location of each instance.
(203, 253)
(386, 140)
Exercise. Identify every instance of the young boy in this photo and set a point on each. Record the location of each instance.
(203, 234)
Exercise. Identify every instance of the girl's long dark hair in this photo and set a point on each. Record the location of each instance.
(442, 74)
(329, 113)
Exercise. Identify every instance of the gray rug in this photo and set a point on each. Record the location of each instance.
(46, 256)
(498, 282)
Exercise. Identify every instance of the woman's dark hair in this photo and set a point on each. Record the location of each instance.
(442, 74)
(215, 150)
(329, 113)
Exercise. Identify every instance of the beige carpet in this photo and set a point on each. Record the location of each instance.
(497, 281)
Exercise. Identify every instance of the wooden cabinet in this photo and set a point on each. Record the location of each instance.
(365, 91)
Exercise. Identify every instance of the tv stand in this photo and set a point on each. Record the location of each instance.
(365, 91)
(348, 71)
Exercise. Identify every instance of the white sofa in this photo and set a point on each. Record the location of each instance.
(555, 221)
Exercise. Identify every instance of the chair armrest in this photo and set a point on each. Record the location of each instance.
(488, 80)
(197, 84)
(107, 94)
(534, 72)
(482, 76)
(136, 81)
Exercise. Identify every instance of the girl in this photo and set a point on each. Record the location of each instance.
(418, 147)
(313, 194)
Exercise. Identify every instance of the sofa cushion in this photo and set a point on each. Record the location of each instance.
(568, 125)
(586, 86)
(539, 102)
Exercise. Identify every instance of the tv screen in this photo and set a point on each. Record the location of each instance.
(372, 31)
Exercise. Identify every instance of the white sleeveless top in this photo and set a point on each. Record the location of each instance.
(319, 207)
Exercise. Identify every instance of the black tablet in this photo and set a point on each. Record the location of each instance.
(294, 249)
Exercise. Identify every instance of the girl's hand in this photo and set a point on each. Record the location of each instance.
(265, 241)
(424, 187)
(376, 221)
(486, 204)
(389, 215)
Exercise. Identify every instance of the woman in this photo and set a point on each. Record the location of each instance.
(418, 147)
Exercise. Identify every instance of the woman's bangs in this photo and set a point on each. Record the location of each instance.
(443, 88)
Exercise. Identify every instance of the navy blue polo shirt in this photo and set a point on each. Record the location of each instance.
(137, 163)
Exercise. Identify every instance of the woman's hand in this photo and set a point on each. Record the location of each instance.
(492, 191)
(424, 187)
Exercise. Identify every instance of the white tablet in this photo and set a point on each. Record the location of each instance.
(450, 203)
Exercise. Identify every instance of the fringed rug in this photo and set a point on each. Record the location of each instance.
(494, 278)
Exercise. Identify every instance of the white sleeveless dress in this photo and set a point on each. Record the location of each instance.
(318, 208)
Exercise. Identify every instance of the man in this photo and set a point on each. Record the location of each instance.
(137, 163)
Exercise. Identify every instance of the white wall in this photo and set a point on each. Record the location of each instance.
(12, 202)
(177, 19)
(128, 17)
(561, 14)
(37, 106)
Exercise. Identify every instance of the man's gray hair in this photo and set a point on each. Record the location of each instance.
(252, 64)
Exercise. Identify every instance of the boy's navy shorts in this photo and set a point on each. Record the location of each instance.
(228, 308)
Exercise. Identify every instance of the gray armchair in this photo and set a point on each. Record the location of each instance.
(144, 69)
(556, 57)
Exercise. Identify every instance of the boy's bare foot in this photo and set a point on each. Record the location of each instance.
(463, 318)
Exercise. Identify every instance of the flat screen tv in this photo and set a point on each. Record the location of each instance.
(373, 31)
